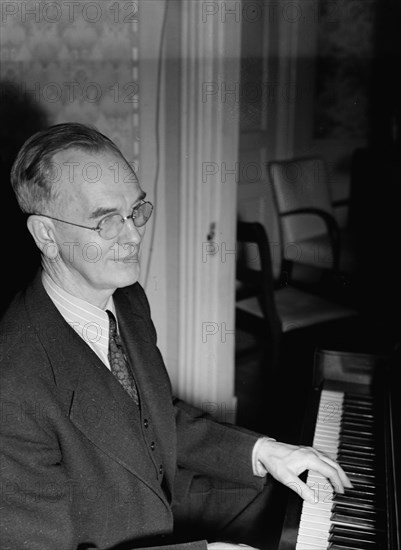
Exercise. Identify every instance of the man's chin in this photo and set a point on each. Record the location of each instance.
(128, 275)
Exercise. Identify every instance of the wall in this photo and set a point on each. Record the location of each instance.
(77, 61)
(337, 121)
(62, 61)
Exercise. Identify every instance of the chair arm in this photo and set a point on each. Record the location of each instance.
(332, 227)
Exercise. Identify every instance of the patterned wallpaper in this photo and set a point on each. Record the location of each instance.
(344, 70)
(62, 60)
(75, 61)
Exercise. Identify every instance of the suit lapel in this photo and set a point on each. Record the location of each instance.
(151, 376)
(93, 398)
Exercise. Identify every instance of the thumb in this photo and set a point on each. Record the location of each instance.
(302, 490)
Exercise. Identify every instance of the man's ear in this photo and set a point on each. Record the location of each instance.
(42, 232)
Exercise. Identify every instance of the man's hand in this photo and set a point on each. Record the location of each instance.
(286, 462)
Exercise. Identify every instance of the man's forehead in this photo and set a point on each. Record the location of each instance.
(80, 166)
(74, 155)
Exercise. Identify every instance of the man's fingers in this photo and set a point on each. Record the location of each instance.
(344, 478)
(331, 473)
(302, 490)
(323, 465)
(312, 459)
(286, 462)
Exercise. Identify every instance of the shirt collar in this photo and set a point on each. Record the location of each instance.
(91, 322)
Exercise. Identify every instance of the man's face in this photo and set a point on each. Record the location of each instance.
(93, 186)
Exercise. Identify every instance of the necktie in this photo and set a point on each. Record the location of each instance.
(118, 361)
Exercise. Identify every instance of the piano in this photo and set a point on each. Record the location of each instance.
(354, 416)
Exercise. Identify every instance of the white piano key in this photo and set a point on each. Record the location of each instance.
(308, 546)
(309, 538)
(315, 520)
(322, 513)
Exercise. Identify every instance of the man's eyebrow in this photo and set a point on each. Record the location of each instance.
(142, 195)
(103, 211)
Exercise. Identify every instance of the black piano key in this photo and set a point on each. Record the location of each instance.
(351, 462)
(353, 404)
(358, 497)
(359, 396)
(360, 489)
(355, 423)
(358, 440)
(369, 519)
(361, 429)
(356, 502)
(364, 418)
(350, 546)
(347, 458)
(360, 469)
(356, 512)
(359, 479)
(350, 405)
(361, 411)
(350, 520)
(358, 449)
(365, 431)
(359, 534)
(356, 401)
(352, 447)
(349, 430)
(362, 426)
(358, 458)
(354, 519)
(361, 416)
(363, 442)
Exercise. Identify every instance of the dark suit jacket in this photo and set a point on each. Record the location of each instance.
(81, 465)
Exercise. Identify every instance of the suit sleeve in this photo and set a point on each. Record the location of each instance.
(35, 493)
(214, 449)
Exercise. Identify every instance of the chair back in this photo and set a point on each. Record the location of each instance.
(297, 184)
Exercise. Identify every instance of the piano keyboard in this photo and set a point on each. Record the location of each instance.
(345, 431)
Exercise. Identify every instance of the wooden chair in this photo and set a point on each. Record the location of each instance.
(310, 234)
(269, 309)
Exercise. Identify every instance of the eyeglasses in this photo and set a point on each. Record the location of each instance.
(111, 226)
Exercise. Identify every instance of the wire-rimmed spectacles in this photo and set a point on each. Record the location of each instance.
(111, 226)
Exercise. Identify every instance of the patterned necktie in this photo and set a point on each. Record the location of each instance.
(118, 361)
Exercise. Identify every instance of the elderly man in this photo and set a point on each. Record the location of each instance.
(95, 452)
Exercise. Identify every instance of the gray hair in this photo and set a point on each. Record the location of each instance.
(33, 172)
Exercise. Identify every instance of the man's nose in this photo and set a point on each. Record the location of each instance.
(130, 232)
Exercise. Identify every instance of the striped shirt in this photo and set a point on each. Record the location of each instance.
(89, 321)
